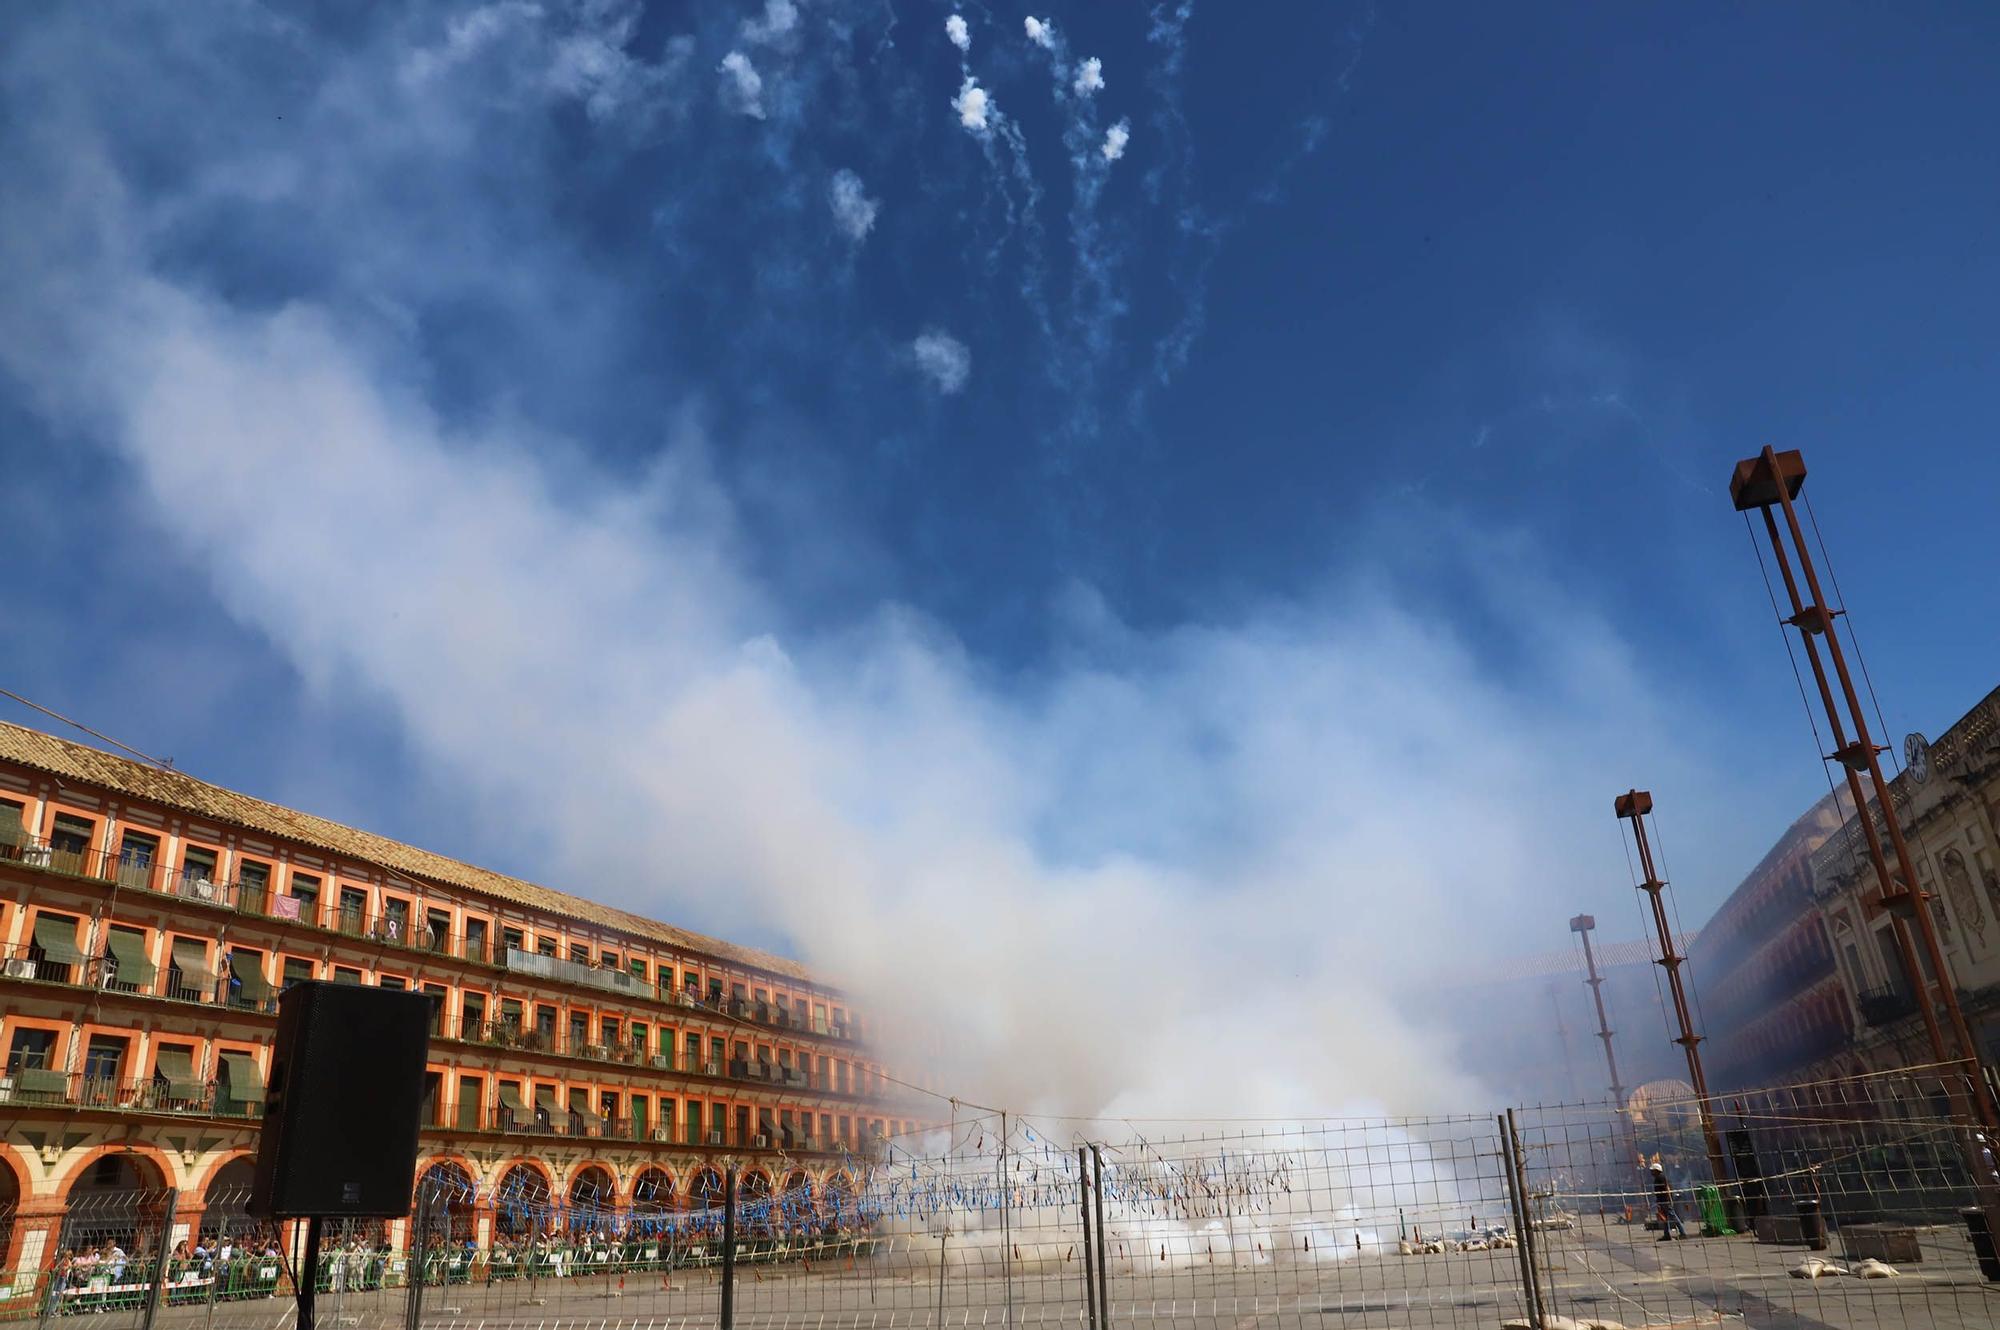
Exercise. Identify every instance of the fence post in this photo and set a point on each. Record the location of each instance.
(944, 1240)
(1531, 1241)
(51, 1287)
(1006, 1227)
(1103, 1268)
(221, 1266)
(1228, 1204)
(1517, 1205)
(156, 1286)
(306, 1286)
(420, 1227)
(1083, 1204)
(729, 1249)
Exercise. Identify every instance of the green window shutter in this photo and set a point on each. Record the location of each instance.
(11, 830)
(57, 939)
(191, 958)
(246, 1083)
(42, 1082)
(249, 977)
(129, 950)
(510, 1099)
(176, 1065)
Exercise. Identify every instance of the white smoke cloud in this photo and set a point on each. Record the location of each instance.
(960, 35)
(943, 358)
(973, 106)
(1115, 139)
(1039, 32)
(1178, 869)
(467, 36)
(853, 211)
(1215, 836)
(743, 86)
(1089, 77)
(780, 17)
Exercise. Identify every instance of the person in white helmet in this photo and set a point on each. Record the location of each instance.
(1663, 1200)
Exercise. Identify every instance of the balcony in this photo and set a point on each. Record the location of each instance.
(1886, 1006)
(250, 993)
(575, 972)
(253, 896)
(32, 1086)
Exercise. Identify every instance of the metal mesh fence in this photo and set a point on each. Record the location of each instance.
(1843, 1205)
(1550, 1216)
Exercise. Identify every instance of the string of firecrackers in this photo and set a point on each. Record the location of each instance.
(1208, 1186)
(1197, 1187)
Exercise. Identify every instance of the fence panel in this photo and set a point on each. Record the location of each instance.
(1842, 1208)
(101, 1256)
(1421, 1223)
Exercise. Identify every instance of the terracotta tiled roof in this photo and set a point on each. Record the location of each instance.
(137, 780)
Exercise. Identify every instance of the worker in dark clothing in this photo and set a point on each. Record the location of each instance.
(1663, 1200)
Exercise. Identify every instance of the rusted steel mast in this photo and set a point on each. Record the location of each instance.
(1769, 482)
(1583, 924)
(1632, 806)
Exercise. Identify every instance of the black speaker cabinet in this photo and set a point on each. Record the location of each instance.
(344, 1104)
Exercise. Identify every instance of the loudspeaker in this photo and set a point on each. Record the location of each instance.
(344, 1104)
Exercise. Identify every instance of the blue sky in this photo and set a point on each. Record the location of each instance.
(1168, 500)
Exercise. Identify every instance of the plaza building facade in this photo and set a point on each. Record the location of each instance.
(579, 1053)
(1763, 965)
(1948, 801)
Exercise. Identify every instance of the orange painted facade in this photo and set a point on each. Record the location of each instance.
(144, 941)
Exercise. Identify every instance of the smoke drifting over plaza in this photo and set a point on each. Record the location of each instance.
(1197, 861)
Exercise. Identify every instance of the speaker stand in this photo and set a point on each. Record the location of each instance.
(309, 1284)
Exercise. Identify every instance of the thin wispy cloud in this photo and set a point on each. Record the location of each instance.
(468, 35)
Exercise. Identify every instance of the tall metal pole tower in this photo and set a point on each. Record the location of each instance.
(1562, 1038)
(1632, 806)
(1768, 483)
(1583, 924)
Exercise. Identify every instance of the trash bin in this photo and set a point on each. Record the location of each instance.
(1981, 1234)
(1812, 1225)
